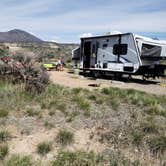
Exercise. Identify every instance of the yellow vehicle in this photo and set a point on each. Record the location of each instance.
(49, 66)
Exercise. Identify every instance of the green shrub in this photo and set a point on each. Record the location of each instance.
(65, 137)
(136, 163)
(114, 92)
(153, 110)
(32, 112)
(52, 112)
(92, 97)
(48, 125)
(44, 148)
(115, 103)
(135, 99)
(61, 107)
(156, 109)
(76, 90)
(77, 159)
(3, 113)
(158, 144)
(82, 103)
(4, 136)
(4, 150)
(136, 137)
(72, 115)
(56, 104)
(105, 91)
(17, 160)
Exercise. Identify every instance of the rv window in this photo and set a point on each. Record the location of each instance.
(120, 49)
(149, 50)
(105, 46)
(93, 48)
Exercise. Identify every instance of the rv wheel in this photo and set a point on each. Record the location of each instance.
(95, 74)
(118, 76)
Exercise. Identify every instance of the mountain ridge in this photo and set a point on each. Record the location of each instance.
(18, 36)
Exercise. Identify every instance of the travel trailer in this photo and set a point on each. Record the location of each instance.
(120, 54)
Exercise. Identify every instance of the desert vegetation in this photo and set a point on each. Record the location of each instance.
(128, 120)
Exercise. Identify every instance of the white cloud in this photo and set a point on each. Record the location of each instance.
(119, 15)
(86, 35)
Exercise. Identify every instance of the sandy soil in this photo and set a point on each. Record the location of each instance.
(26, 145)
(74, 81)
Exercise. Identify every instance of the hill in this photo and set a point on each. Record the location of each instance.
(18, 36)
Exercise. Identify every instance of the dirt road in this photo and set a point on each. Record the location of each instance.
(75, 81)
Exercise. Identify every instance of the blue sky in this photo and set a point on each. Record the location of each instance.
(66, 21)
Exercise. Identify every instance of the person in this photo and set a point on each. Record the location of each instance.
(60, 65)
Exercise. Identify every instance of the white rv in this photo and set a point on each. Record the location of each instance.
(121, 54)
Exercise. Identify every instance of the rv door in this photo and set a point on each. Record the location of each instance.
(87, 54)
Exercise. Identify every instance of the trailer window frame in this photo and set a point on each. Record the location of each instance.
(120, 49)
(150, 50)
(105, 45)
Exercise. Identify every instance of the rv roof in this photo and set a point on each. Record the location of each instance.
(103, 36)
(135, 35)
(150, 40)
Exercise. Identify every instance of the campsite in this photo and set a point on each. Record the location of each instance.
(59, 116)
(82, 83)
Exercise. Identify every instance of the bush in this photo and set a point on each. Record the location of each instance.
(4, 136)
(36, 81)
(77, 159)
(44, 148)
(4, 150)
(65, 137)
(17, 160)
(3, 113)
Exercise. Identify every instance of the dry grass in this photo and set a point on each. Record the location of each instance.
(119, 114)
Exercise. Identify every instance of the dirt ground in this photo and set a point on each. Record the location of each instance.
(65, 78)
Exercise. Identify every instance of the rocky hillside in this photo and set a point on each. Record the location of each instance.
(24, 42)
(18, 36)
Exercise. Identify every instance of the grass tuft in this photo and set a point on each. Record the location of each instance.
(65, 137)
(149, 127)
(115, 103)
(82, 103)
(3, 113)
(77, 159)
(48, 125)
(17, 160)
(43, 148)
(136, 137)
(31, 112)
(158, 145)
(4, 136)
(156, 109)
(4, 150)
